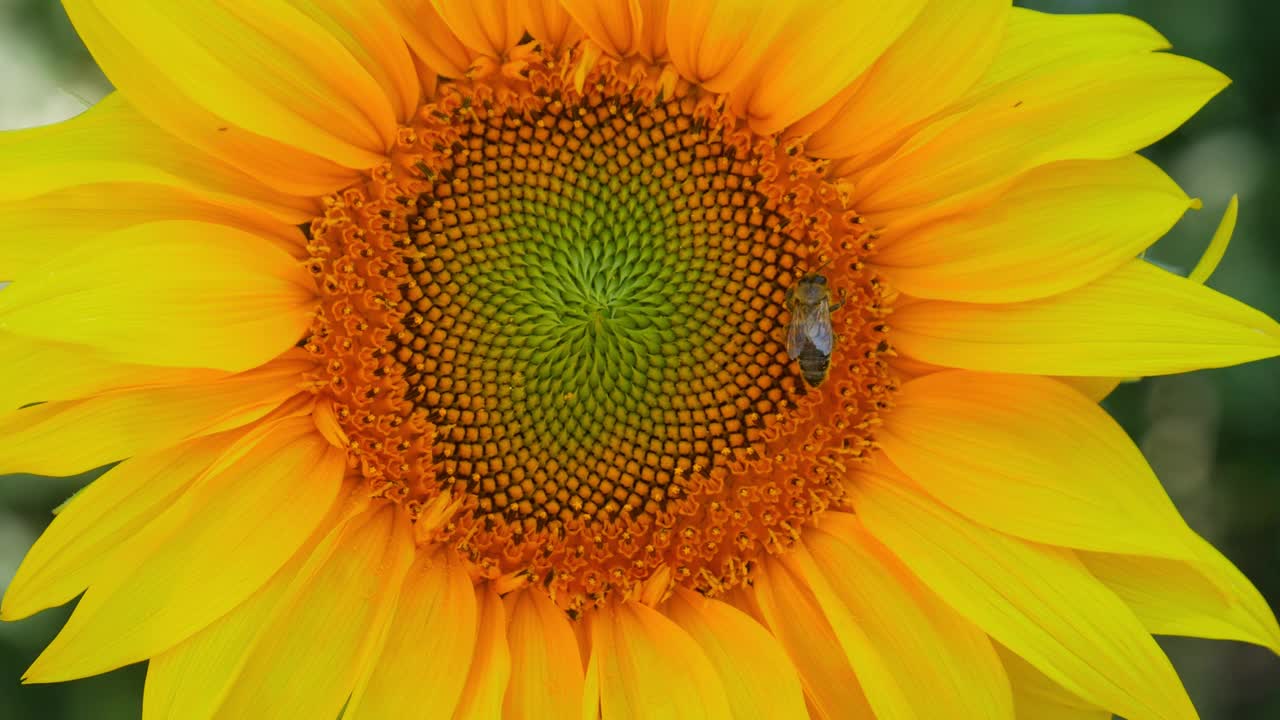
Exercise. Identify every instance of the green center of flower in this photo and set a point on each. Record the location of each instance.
(566, 312)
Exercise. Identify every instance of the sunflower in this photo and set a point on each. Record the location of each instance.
(611, 359)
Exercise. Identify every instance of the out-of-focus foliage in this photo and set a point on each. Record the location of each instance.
(1214, 437)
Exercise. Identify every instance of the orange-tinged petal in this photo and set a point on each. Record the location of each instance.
(218, 544)
(166, 98)
(69, 437)
(1036, 697)
(894, 95)
(1138, 320)
(431, 638)
(40, 228)
(548, 676)
(549, 23)
(490, 27)
(70, 553)
(369, 32)
(650, 669)
(1093, 110)
(759, 680)
(1059, 227)
(1038, 601)
(1178, 598)
(717, 42)
(801, 69)
(936, 657)
(54, 371)
(112, 143)
(793, 615)
(265, 67)
(345, 596)
(430, 37)
(614, 25)
(1031, 457)
(1094, 388)
(490, 664)
(167, 293)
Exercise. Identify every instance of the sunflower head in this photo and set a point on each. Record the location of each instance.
(614, 359)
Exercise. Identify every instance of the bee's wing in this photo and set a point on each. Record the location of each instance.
(810, 326)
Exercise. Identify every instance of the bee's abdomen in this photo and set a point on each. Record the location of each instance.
(813, 365)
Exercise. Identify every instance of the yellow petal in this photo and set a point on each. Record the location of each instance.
(491, 27)
(1137, 320)
(112, 142)
(1036, 42)
(1036, 697)
(788, 609)
(204, 555)
(346, 597)
(167, 293)
(1217, 244)
(760, 681)
(429, 37)
(1178, 598)
(69, 555)
(265, 67)
(1036, 600)
(548, 677)
(715, 43)
(549, 23)
(41, 228)
(1094, 388)
(961, 37)
(802, 69)
(1087, 111)
(1059, 227)
(1031, 457)
(69, 437)
(56, 371)
(431, 639)
(190, 680)
(650, 669)
(184, 100)
(937, 658)
(490, 664)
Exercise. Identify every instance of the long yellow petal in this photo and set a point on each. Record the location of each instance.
(490, 27)
(491, 664)
(1138, 320)
(1178, 598)
(70, 554)
(547, 676)
(716, 43)
(789, 610)
(759, 679)
(190, 680)
(112, 142)
(1059, 227)
(938, 658)
(52, 371)
(220, 543)
(549, 23)
(961, 37)
(617, 26)
(1029, 456)
(346, 597)
(431, 638)
(168, 293)
(1036, 600)
(264, 67)
(430, 37)
(802, 70)
(1036, 697)
(69, 437)
(1088, 111)
(650, 669)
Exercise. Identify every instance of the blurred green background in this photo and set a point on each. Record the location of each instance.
(1213, 437)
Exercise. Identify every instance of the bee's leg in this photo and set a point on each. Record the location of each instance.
(841, 303)
(790, 291)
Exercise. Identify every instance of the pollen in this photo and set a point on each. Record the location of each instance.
(554, 326)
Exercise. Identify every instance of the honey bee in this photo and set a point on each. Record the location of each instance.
(810, 336)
